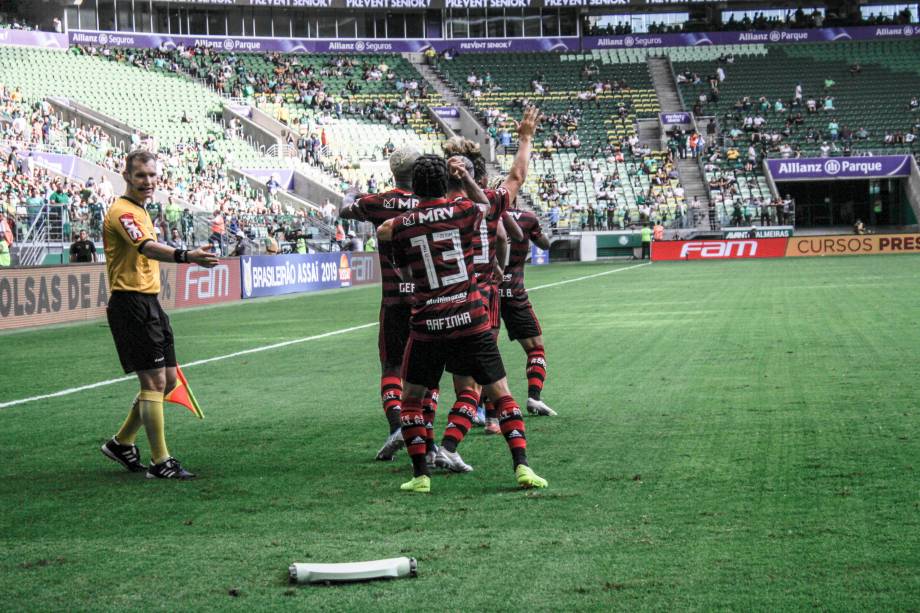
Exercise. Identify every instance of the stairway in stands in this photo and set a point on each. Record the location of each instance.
(691, 173)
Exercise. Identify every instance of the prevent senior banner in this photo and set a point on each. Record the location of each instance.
(862, 167)
(274, 275)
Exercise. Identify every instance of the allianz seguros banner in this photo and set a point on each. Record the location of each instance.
(60, 294)
(862, 167)
(759, 37)
(313, 45)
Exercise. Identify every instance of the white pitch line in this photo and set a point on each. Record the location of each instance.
(315, 337)
(599, 274)
(74, 390)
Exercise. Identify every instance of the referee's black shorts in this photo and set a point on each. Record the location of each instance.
(475, 356)
(393, 334)
(140, 327)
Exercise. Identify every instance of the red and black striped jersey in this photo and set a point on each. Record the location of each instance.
(484, 241)
(378, 208)
(436, 242)
(512, 286)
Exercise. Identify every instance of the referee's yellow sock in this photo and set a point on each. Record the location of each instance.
(128, 432)
(151, 409)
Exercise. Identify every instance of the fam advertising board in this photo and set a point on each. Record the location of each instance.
(718, 249)
(197, 286)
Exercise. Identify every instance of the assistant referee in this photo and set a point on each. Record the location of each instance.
(140, 327)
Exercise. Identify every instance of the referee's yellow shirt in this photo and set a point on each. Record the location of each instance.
(126, 228)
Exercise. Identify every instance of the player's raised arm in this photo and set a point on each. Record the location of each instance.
(518, 173)
(511, 227)
(457, 167)
(502, 249)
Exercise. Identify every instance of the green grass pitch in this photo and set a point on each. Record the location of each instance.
(731, 436)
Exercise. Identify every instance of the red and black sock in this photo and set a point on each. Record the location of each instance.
(512, 424)
(429, 409)
(391, 394)
(536, 372)
(413, 432)
(460, 419)
(489, 406)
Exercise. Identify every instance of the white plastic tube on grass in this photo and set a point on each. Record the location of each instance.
(391, 568)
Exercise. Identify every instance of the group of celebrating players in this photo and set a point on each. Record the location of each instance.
(452, 257)
(452, 254)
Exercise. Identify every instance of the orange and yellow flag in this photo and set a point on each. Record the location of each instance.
(182, 394)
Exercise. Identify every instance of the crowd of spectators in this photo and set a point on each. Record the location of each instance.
(755, 128)
(792, 19)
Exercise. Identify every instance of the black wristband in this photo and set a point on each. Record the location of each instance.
(180, 256)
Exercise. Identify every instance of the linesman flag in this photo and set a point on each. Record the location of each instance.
(182, 394)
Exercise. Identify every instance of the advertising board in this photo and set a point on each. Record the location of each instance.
(274, 275)
(60, 294)
(197, 286)
(869, 244)
(718, 249)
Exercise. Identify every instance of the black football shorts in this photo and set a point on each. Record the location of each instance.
(520, 320)
(475, 356)
(140, 327)
(393, 334)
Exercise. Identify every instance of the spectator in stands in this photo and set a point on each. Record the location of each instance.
(175, 239)
(243, 245)
(554, 214)
(914, 104)
(5, 257)
(59, 196)
(859, 227)
(353, 243)
(329, 212)
(82, 249)
(217, 225)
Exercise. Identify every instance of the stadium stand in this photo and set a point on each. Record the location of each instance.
(195, 152)
(360, 107)
(841, 98)
(589, 160)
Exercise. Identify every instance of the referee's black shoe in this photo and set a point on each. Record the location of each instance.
(168, 469)
(126, 455)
